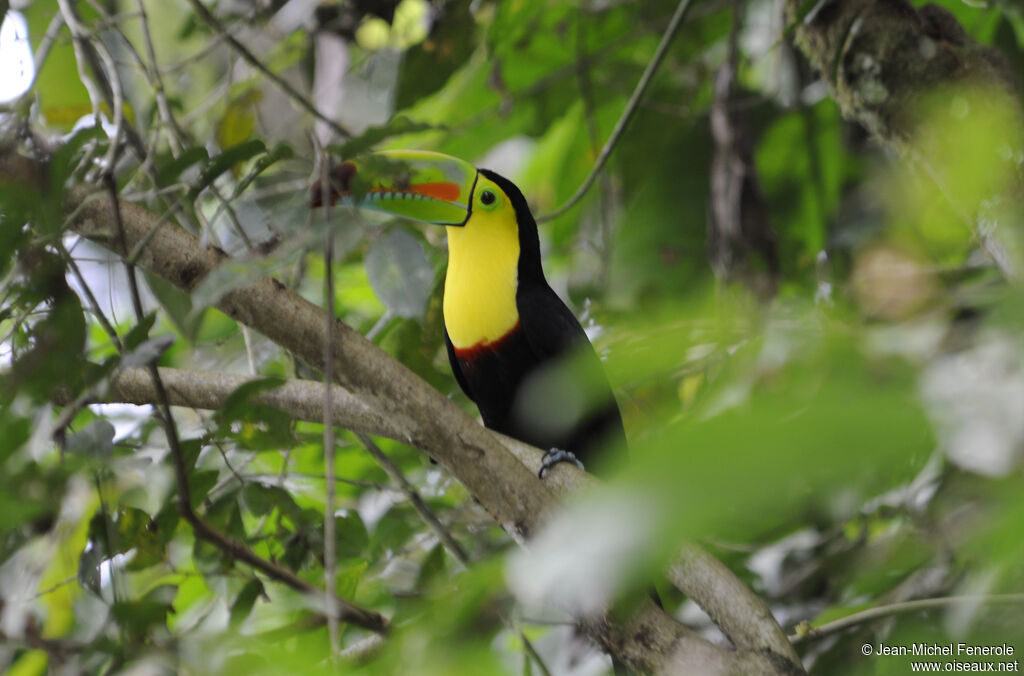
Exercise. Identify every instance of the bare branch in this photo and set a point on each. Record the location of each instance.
(330, 536)
(627, 114)
(807, 633)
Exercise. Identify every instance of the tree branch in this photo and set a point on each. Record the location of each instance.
(807, 633)
(407, 407)
(731, 604)
(882, 59)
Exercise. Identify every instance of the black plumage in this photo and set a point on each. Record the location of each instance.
(542, 382)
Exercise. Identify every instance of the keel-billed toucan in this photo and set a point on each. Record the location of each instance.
(515, 348)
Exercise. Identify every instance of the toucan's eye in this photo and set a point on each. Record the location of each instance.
(487, 198)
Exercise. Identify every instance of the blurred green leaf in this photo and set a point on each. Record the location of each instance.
(372, 136)
(171, 170)
(177, 304)
(225, 162)
(95, 440)
(351, 537)
(400, 273)
(63, 98)
(245, 600)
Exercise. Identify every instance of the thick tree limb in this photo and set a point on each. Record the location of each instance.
(378, 389)
(882, 58)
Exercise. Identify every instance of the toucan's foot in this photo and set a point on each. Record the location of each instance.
(554, 456)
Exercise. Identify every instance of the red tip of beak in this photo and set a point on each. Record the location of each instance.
(339, 179)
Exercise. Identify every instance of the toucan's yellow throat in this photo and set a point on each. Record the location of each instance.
(483, 263)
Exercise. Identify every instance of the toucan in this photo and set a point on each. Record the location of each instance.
(514, 346)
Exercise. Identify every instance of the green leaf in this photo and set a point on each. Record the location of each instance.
(148, 352)
(257, 499)
(351, 537)
(140, 331)
(199, 484)
(373, 135)
(225, 162)
(190, 448)
(400, 273)
(239, 121)
(238, 403)
(14, 432)
(245, 600)
(428, 65)
(141, 616)
(169, 172)
(63, 99)
(432, 567)
(281, 151)
(347, 582)
(177, 304)
(95, 440)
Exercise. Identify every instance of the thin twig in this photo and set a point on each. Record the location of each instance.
(531, 652)
(45, 45)
(881, 612)
(213, 22)
(627, 114)
(330, 535)
(174, 132)
(90, 298)
(279, 480)
(392, 470)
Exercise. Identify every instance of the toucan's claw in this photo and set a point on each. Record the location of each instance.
(553, 456)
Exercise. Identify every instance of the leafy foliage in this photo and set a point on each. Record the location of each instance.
(853, 442)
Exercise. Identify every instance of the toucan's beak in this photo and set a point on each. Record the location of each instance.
(415, 184)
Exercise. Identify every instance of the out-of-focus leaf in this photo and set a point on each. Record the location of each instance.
(802, 166)
(140, 331)
(281, 151)
(400, 273)
(238, 402)
(432, 567)
(62, 96)
(224, 162)
(199, 484)
(139, 616)
(428, 65)
(95, 440)
(177, 304)
(245, 600)
(348, 579)
(169, 171)
(374, 135)
(391, 532)
(148, 351)
(239, 121)
(14, 432)
(351, 537)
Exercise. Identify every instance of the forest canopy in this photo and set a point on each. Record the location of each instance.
(230, 437)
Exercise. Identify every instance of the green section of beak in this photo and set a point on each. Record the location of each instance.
(415, 184)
